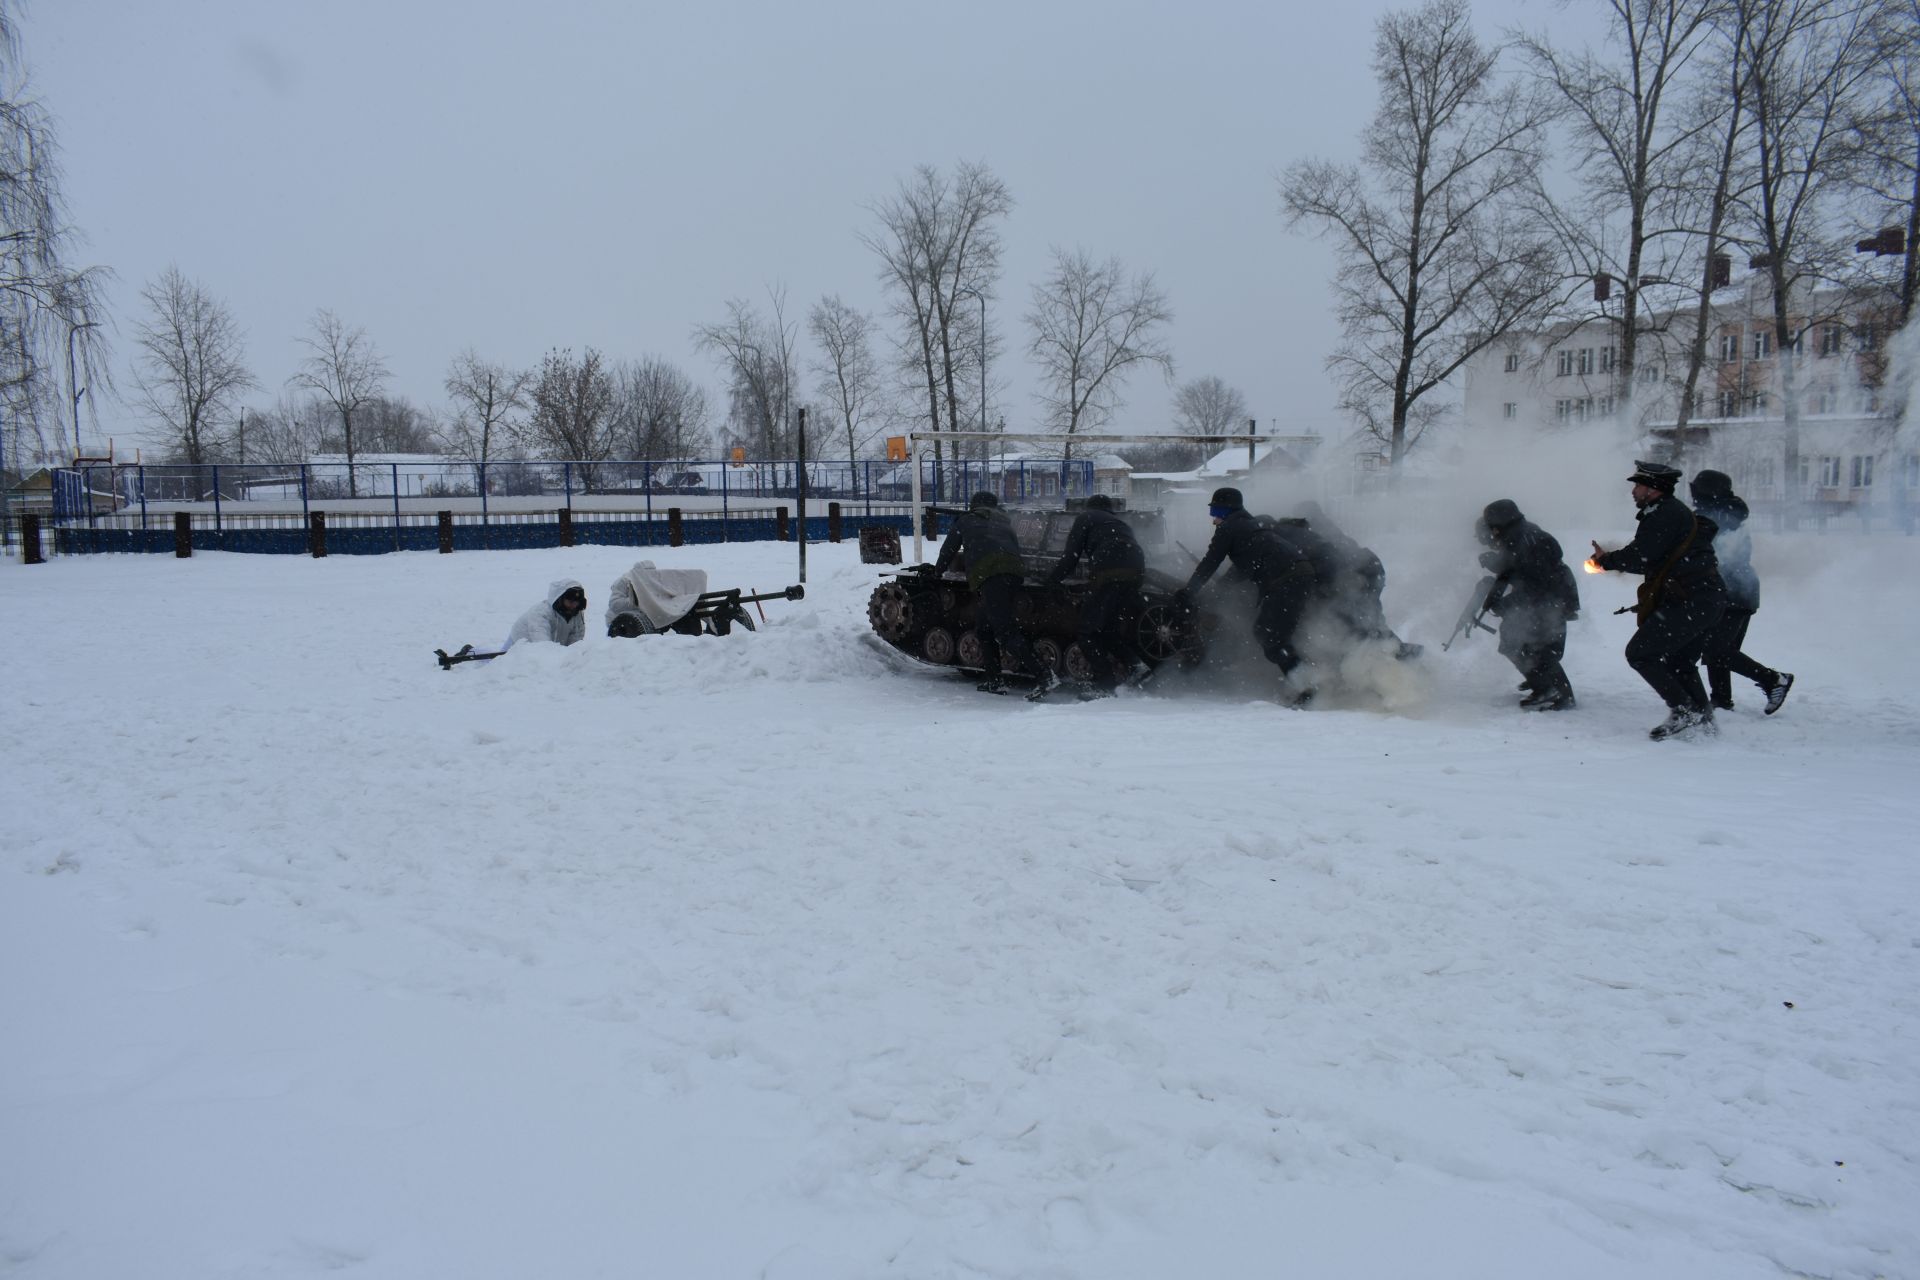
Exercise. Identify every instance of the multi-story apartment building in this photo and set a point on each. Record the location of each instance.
(1570, 377)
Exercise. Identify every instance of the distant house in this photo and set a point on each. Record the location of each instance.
(1229, 466)
(33, 495)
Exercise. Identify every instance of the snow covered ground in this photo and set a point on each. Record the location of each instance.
(766, 957)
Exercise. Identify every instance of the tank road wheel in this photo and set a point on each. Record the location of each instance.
(1047, 650)
(1162, 633)
(1078, 667)
(972, 652)
(891, 611)
(937, 646)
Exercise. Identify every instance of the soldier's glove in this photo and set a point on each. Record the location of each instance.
(1487, 559)
(1183, 599)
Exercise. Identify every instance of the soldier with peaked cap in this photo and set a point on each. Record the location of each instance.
(1680, 601)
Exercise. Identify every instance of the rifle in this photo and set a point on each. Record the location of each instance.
(448, 661)
(1479, 600)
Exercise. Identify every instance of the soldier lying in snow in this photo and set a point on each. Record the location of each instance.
(561, 617)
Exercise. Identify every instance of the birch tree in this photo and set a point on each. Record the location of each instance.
(343, 368)
(1091, 324)
(847, 373)
(1440, 255)
(192, 365)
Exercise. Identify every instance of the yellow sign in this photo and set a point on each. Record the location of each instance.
(739, 456)
(896, 448)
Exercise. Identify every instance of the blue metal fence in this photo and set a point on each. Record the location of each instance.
(393, 504)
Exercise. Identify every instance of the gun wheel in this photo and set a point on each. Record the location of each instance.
(1162, 634)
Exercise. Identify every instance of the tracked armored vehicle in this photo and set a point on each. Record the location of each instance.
(931, 617)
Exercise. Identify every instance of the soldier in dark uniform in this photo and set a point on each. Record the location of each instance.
(1713, 498)
(985, 537)
(1110, 618)
(1680, 601)
(1348, 577)
(1533, 596)
(1279, 571)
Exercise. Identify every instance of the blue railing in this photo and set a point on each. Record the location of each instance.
(395, 504)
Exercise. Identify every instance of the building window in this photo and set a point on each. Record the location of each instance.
(1729, 403)
(1586, 361)
(1729, 348)
(1566, 363)
(1863, 471)
(1761, 403)
(1510, 410)
(1607, 355)
(1649, 373)
(1829, 472)
(1762, 344)
(1869, 336)
(1604, 406)
(1830, 340)
(1825, 400)
(1513, 362)
(1913, 471)
(1562, 409)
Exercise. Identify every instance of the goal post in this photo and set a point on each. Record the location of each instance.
(1064, 443)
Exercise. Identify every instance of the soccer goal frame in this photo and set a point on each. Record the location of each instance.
(916, 438)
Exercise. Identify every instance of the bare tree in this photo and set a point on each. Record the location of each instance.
(51, 313)
(394, 424)
(192, 365)
(485, 397)
(659, 412)
(286, 433)
(848, 372)
(1209, 407)
(1720, 110)
(938, 243)
(1091, 324)
(1439, 257)
(1631, 149)
(573, 409)
(757, 356)
(1810, 66)
(1892, 176)
(345, 370)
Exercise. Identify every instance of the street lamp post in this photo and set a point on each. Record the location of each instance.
(74, 390)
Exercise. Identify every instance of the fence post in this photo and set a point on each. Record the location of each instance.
(833, 522)
(446, 533)
(219, 530)
(30, 539)
(566, 526)
(317, 534)
(396, 504)
(676, 536)
(182, 534)
(931, 521)
(781, 531)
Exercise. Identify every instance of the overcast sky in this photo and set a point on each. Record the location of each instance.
(517, 177)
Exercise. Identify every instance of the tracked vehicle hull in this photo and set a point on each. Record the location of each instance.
(933, 618)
